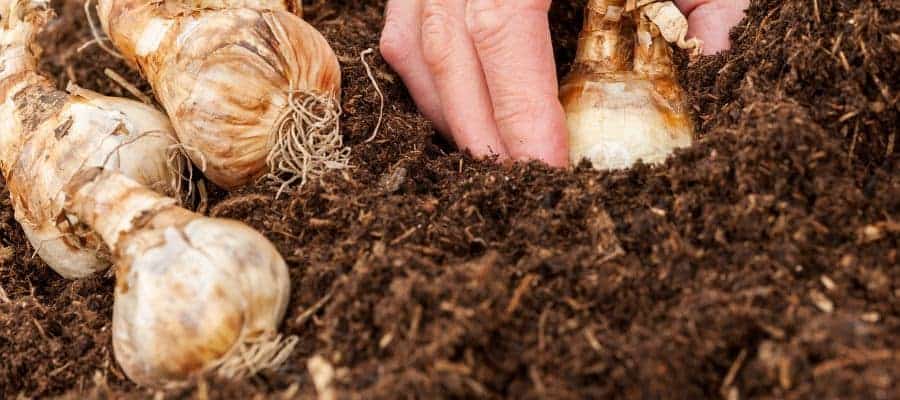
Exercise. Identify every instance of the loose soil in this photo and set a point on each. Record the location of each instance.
(761, 263)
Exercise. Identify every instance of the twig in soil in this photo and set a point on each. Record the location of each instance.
(725, 390)
(891, 143)
(822, 302)
(520, 291)
(60, 369)
(40, 328)
(128, 86)
(322, 373)
(306, 315)
(362, 56)
(535, 376)
(452, 367)
(592, 340)
(853, 143)
(404, 236)
(859, 358)
(3, 297)
(542, 329)
(816, 12)
(291, 392)
(320, 223)
(386, 340)
(414, 324)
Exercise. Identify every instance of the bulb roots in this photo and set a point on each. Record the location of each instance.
(254, 355)
(307, 141)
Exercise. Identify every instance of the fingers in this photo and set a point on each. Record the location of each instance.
(457, 73)
(712, 23)
(712, 20)
(401, 47)
(483, 71)
(513, 44)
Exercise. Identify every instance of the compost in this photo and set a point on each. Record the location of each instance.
(760, 263)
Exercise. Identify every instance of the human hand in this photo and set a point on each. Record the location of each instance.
(712, 20)
(483, 70)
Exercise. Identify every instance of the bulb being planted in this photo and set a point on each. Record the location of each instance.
(47, 136)
(193, 294)
(622, 100)
(249, 86)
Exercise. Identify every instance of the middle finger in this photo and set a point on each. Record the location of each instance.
(451, 57)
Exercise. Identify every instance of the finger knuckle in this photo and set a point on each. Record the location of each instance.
(485, 24)
(488, 22)
(436, 36)
(396, 44)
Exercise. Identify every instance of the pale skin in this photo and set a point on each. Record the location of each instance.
(483, 70)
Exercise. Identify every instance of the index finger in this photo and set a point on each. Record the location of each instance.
(512, 38)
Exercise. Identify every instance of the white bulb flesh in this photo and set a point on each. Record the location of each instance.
(616, 121)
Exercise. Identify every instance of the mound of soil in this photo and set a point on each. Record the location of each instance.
(761, 263)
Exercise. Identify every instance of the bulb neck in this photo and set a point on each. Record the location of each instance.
(606, 42)
(18, 80)
(20, 23)
(112, 204)
(653, 56)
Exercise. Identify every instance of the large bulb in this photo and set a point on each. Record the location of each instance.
(622, 100)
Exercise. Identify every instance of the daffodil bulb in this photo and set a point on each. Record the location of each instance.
(250, 87)
(48, 135)
(193, 294)
(622, 100)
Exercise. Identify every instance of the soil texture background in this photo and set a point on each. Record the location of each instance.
(761, 263)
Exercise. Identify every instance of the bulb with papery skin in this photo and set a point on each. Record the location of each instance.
(249, 86)
(622, 100)
(47, 136)
(191, 292)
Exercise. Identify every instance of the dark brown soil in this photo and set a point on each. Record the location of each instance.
(760, 263)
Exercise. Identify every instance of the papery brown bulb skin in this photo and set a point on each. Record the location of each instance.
(84, 133)
(47, 136)
(223, 75)
(189, 299)
(622, 100)
(190, 290)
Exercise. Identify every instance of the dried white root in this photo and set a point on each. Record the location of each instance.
(307, 141)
